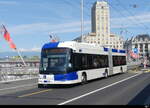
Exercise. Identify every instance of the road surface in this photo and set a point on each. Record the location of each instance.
(121, 89)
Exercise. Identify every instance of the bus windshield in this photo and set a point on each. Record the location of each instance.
(54, 61)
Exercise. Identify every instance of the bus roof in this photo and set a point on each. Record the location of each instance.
(79, 46)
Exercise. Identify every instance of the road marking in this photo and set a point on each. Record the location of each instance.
(76, 98)
(34, 93)
(18, 86)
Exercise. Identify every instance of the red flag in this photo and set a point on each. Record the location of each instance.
(12, 45)
(8, 38)
(133, 54)
(6, 34)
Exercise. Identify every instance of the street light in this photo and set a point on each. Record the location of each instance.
(82, 20)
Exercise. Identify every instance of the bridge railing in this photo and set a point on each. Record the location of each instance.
(18, 73)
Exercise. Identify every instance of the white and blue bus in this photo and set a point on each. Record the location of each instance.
(72, 62)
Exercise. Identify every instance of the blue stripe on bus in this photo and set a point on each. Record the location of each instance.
(114, 50)
(106, 49)
(51, 45)
(122, 51)
(66, 77)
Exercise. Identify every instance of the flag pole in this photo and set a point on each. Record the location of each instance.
(12, 45)
(21, 57)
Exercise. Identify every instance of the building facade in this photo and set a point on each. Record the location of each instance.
(142, 43)
(116, 41)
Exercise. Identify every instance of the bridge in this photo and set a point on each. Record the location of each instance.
(19, 63)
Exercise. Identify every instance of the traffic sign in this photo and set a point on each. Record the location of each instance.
(135, 50)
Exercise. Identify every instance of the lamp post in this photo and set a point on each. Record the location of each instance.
(82, 20)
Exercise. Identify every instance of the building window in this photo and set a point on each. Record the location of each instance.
(143, 39)
(141, 47)
(146, 47)
(136, 45)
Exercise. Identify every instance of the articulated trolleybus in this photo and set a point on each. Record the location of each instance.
(72, 62)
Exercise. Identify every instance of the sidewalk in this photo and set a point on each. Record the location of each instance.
(134, 71)
(146, 70)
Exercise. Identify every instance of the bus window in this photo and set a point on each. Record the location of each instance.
(60, 62)
(56, 60)
(89, 61)
(119, 60)
(84, 61)
(77, 62)
(95, 63)
(45, 63)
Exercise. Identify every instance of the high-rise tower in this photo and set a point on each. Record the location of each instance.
(101, 28)
(101, 21)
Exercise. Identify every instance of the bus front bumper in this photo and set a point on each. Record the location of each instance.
(43, 82)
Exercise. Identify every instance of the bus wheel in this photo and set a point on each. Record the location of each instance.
(83, 79)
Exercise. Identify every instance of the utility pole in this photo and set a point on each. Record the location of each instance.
(82, 24)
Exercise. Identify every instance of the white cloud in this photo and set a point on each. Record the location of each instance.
(122, 22)
(47, 27)
(131, 21)
(8, 3)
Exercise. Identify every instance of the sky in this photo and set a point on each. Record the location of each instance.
(30, 22)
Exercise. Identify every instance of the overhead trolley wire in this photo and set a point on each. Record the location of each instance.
(139, 20)
(127, 31)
